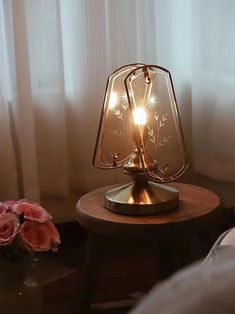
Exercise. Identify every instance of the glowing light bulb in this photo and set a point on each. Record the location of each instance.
(113, 101)
(139, 116)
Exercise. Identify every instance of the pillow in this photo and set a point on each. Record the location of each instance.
(204, 288)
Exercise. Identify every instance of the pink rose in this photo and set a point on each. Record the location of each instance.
(39, 237)
(31, 211)
(9, 226)
(6, 207)
(2, 208)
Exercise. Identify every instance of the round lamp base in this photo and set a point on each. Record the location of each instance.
(136, 199)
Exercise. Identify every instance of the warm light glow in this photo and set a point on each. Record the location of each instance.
(113, 101)
(139, 116)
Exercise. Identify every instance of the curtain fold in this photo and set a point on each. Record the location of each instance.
(55, 57)
(213, 89)
(22, 104)
(8, 173)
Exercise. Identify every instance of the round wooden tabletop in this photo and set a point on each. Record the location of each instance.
(196, 204)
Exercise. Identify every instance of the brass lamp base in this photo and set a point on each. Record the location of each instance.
(142, 198)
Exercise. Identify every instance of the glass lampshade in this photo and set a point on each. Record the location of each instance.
(140, 112)
(114, 142)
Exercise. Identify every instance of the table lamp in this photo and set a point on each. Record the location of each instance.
(140, 131)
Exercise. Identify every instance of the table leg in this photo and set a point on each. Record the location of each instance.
(83, 297)
(173, 253)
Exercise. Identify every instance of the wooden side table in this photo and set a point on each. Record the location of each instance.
(199, 208)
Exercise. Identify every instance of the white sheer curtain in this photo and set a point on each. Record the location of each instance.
(55, 57)
(213, 88)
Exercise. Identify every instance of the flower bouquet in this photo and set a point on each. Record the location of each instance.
(25, 227)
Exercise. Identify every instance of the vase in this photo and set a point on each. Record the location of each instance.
(19, 291)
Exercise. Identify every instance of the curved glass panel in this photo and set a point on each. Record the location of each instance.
(114, 143)
(156, 119)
